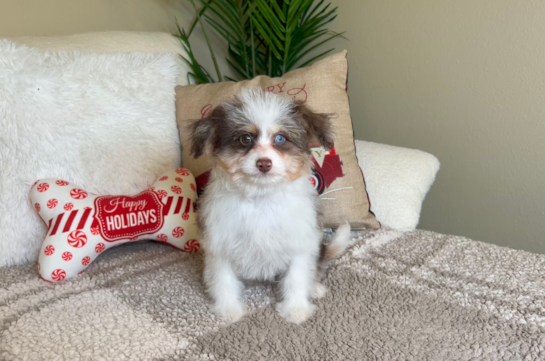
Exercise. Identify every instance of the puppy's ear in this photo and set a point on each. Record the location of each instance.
(317, 124)
(200, 131)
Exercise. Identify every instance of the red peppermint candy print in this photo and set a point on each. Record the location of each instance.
(192, 246)
(161, 194)
(68, 206)
(178, 179)
(100, 247)
(176, 189)
(95, 231)
(42, 187)
(185, 216)
(66, 256)
(192, 187)
(78, 193)
(34, 185)
(162, 237)
(178, 232)
(61, 183)
(49, 250)
(52, 203)
(77, 239)
(162, 179)
(37, 207)
(58, 275)
(86, 260)
(182, 172)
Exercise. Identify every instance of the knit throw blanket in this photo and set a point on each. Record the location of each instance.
(392, 296)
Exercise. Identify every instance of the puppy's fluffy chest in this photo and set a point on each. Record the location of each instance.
(260, 235)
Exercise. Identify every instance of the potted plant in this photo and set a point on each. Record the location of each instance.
(264, 37)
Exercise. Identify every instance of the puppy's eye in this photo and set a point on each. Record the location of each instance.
(246, 139)
(279, 139)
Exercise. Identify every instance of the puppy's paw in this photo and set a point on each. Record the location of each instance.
(318, 291)
(230, 312)
(296, 312)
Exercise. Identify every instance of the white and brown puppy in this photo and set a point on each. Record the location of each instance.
(258, 214)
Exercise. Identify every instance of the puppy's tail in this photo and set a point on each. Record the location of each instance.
(328, 253)
(337, 246)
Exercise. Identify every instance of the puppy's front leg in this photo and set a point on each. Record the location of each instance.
(224, 287)
(295, 288)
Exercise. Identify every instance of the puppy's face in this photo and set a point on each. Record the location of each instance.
(261, 138)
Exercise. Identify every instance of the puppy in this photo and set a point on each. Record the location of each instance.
(258, 214)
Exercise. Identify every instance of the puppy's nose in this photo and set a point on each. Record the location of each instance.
(264, 164)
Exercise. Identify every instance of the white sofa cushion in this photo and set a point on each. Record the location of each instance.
(397, 180)
(114, 42)
(103, 121)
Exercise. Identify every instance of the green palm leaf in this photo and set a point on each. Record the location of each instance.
(197, 73)
(268, 37)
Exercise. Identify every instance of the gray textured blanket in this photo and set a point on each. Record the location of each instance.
(392, 296)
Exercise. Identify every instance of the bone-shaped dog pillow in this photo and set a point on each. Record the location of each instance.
(81, 225)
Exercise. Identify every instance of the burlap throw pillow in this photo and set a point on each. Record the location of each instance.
(338, 178)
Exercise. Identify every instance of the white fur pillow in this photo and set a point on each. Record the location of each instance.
(397, 180)
(103, 121)
(114, 42)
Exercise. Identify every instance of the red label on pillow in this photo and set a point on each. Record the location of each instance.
(123, 217)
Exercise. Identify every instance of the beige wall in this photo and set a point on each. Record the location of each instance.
(63, 17)
(464, 80)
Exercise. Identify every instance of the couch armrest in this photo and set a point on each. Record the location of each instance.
(397, 181)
